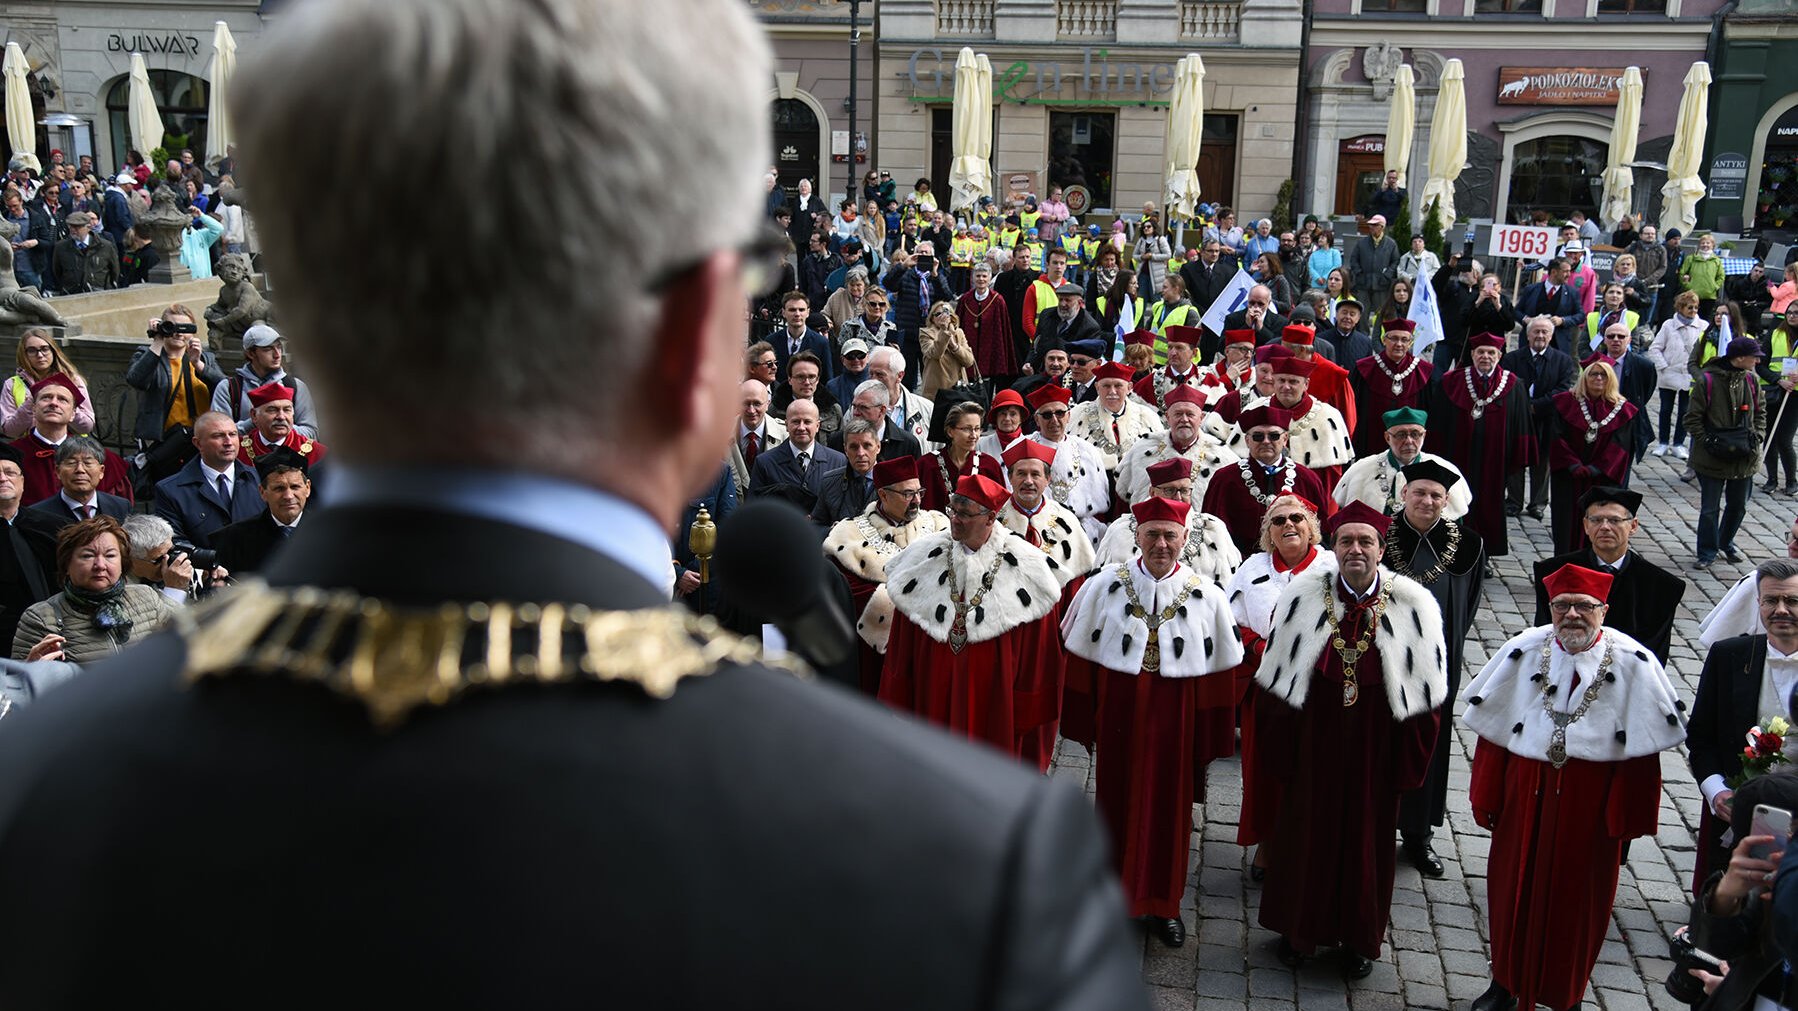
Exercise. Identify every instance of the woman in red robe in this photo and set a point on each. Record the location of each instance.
(1590, 444)
(941, 470)
(983, 317)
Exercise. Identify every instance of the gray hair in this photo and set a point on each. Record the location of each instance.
(80, 445)
(955, 500)
(507, 87)
(1534, 321)
(877, 387)
(147, 531)
(1269, 222)
(856, 273)
(1775, 569)
(982, 267)
(895, 361)
(1000, 257)
(859, 426)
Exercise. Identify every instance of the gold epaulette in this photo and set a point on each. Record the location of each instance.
(393, 660)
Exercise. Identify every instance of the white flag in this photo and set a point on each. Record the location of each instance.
(1228, 301)
(1126, 325)
(1425, 313)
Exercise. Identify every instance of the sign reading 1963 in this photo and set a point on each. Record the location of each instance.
(146, 42)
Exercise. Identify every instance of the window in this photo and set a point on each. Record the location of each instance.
(1557, 174)
(1657, 7)
(180, 98)
(1082, 151)
(1507, 6)
(1395, 6)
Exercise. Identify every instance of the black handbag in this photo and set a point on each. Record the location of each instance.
(973, 391)
(1733, 445)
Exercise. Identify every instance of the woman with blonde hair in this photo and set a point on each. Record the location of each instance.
(1589, 444)
(946, 351)
(1291, 536)
(38, 356)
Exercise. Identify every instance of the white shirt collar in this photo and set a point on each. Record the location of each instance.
(212, 476)
(93, 500)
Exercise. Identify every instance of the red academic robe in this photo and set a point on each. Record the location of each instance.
(930, 475)
(1488, 449)
(1229, 406)
(1229, 499)
(39, 467)
(1330, 384)
(251, 447)
(1342, 769)
(1144, 387)
(1374, 397)
(1575, 466)
(1260, 794)
(1002, 690)
(988, 326)
(1146, 800)
(1557, 842)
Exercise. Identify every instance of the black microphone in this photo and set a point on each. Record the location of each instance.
(769, 566)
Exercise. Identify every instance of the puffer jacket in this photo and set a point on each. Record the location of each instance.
(1724, 397)
(86, 641)
(1671, 352)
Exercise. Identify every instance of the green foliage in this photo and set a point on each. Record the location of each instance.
(1400, 230)
(1432, 231)
(157, 158)
(1282, 215)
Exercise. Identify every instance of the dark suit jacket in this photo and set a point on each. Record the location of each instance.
(840, 499)
(595, 823)
(56, 513)
(1271, 326)
(1644, 598)
(1202, 288)
(193, 507)
(1535, 302)
(780, 465)
(246, 545)
(1052, 333)
(1636, 381)
(1556, 375)
(1351, 349)
(895, 442)
(1726, 705)
(813, 341)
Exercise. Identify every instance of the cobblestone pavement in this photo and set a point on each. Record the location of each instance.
(1436, 948)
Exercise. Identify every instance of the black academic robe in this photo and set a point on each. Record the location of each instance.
(1488, 449)
(1457, 592)
(1644, 598)
(1727, 703)
(245, 546)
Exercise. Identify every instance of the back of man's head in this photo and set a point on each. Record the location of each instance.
(487, 92)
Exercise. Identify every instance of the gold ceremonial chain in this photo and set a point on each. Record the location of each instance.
(1151, 655)
(1402, 566)
(1248, 478)
(1594, 427)
(1351, 655)
(958, 631)
(1398, 381)
(883, 545)
(1499, 387)
(1557, 741)
(942, 466)
(393, 660)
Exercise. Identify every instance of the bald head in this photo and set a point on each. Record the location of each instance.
(802, 423)
(755, 403)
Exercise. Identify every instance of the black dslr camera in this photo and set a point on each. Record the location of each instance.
(1684, 986)
(164, 328)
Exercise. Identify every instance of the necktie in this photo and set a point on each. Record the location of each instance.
(286, 532)
(87, 512)
(1031, 537)
(805, 463)
(1117, 436)
(224, 489)
(751, 446)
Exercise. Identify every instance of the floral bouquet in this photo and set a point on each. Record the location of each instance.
(1764, 750)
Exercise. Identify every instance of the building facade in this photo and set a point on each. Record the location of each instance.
(1541, 79)
(1083, 88)
(1753, 156)
(810, 92)
(80, 55)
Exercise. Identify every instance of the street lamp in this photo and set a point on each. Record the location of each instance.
(855, 45)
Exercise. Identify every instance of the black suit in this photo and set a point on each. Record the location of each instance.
(537, 844)
(842, 495)
(1350, 347)
(1635, 380)
(1272, 325)
(246, 545)
(1644, 597)
(27, 556)
(56, 514)
(1202, 285)
(1564, 303)
(780, 465)
(895, 442)
(1726, 704)
(1053, 333)
(1542, 378)
(812, 341)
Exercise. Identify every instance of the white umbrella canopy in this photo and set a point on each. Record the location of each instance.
(1679, 198)
(20, 130)
(1448, 143)
(971, 170)
(1401, 121)
(1619, 182)
(218, 113)
(1185, 131)
(144, 122)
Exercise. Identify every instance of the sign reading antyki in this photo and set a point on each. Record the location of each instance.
(1095, 81)
(143, 42)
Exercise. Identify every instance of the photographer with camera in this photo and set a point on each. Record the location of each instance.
(179, 572)
(176, 375)
(96, 613)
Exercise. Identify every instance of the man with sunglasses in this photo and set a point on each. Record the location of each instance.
(1241, 494)
(1645, 599)
(863, 544)
(1077, 478)
(1572, 718)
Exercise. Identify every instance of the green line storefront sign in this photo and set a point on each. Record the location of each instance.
(1095, 80)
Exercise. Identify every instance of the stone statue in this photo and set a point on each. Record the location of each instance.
(1474, 188)
(1379, 64)
(162, 225)
(239, 306)
(20, 306)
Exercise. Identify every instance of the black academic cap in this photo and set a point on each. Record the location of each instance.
(281, 459)
(1630, 500)
(1430, 470)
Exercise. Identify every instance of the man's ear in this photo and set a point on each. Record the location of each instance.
(694, 337)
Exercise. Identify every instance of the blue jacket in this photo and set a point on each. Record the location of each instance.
(196, 245)
(193, 507)
(116, 216)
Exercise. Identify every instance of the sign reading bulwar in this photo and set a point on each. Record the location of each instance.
(1560, 85)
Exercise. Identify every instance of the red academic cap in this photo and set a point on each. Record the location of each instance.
(1114, 370)
(1139, 336)
(1485, 340)
(1188, 335)
(1270, 353)
(1402, 325)
(1050, 393)
(1295, 334)
(1294, 366)
(1578, 579)
(1184, 394)
(983, 490)
(1357, 512)
(1029, 449)
(1165, 510)
(1177, 469)
(1237, 337)
(1263, 416)
(1006, 398)
(268, 393)
(1595, 358)
(891, 472)
(58, 379)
